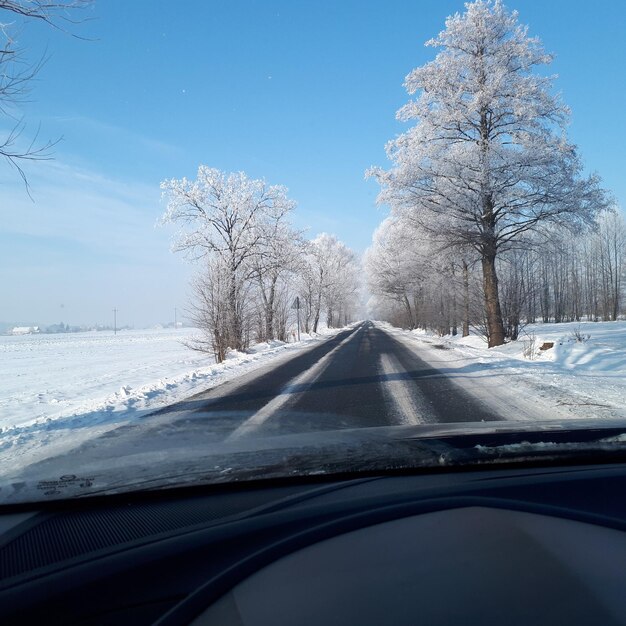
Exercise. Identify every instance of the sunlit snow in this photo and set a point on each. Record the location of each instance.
(57, 391)
(582, 376)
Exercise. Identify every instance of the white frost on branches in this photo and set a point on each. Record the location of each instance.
(487, 159)
(254, 263)
(224, 214)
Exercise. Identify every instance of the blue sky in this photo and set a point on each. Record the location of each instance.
(301, 93)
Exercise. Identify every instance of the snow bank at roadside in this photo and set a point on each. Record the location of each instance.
(582, 376)
(57, 391)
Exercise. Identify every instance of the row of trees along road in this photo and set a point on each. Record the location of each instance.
(254, 264)
(551, 277)
(485, 182)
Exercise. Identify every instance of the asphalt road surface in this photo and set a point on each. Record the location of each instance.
(362, 377)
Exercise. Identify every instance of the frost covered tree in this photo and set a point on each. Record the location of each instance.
(342, 289)
(429, 285)
(208, 309)
(610, 244)
(548, 276)
(253, 262)
(487, 159)
(395, 268)
(329, 281)
(228, 219)
(273, 269)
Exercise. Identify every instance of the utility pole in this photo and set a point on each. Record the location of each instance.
(115, 321)
(175, 319)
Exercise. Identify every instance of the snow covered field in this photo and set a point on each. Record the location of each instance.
(574, 379)
(59, 390)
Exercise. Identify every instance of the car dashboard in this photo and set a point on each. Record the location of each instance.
(489, 545)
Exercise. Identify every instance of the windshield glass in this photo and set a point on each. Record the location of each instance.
(249, 240)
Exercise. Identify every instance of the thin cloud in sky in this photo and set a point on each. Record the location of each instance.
(124, 135)
(89, 235)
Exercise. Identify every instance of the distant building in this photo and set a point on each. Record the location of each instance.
(24, 330)
(57, 328)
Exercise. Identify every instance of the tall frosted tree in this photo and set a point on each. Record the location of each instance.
(487, 160)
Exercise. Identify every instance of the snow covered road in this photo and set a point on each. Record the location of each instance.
(146, 394)
(360, 378)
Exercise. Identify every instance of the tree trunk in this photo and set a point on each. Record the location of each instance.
(495, 325)
(417, 310)
(466, 300)
(235, 338)
(493, 313)
(317, 313)
(454, 303)
(269, 313)
(234, 334)
(616, 274)
(409, 314)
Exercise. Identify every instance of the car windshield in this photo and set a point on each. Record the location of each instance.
(255, 240)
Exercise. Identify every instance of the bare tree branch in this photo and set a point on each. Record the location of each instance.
(17, 74)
